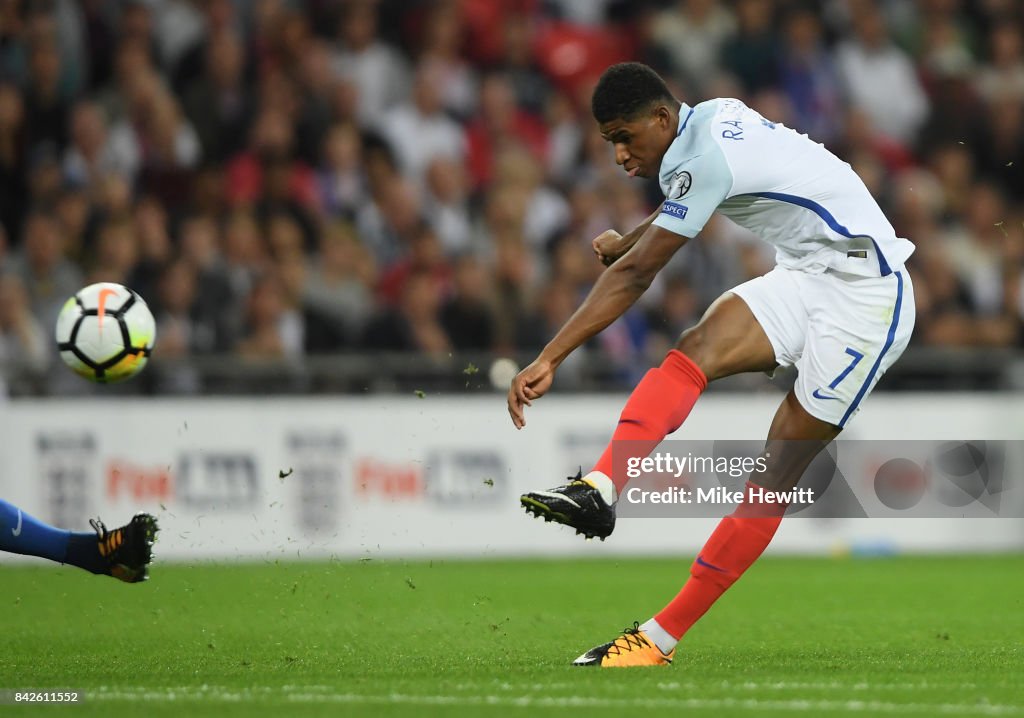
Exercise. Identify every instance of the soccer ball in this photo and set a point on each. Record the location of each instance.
(105, 333)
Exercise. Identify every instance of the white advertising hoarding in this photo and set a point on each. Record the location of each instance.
(409, 477)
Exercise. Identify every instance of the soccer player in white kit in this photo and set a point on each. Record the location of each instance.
(839, 306)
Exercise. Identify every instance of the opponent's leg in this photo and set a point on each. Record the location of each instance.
(24, 534)
(794, 439)
(727, 340)
(124, 553)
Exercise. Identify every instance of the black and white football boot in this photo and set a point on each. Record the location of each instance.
(577, 504)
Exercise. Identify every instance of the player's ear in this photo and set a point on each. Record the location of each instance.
(664, 116)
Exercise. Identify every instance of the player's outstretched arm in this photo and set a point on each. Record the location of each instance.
(610, 245)
(615, 291)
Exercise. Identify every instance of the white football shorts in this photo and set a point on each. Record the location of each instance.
(841, 332)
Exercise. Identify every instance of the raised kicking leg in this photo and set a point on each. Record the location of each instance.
(728, 340)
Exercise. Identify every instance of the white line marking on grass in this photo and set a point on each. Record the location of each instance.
(817, 686)
(325, 695)
(858, 687)
(752, 704)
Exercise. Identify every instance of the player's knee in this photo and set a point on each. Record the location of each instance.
(695, 345)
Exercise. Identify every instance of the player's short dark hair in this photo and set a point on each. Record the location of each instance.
(627, 90)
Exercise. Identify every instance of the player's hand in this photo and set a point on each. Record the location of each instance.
(608, 246)
(531, 383)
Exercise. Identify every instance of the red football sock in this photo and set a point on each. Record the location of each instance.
(658, 406)
(734, 545)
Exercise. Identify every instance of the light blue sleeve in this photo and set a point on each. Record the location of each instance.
(696, 179)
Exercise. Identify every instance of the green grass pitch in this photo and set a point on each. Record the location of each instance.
(807, 637)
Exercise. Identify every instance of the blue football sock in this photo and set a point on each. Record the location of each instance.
(21, 533)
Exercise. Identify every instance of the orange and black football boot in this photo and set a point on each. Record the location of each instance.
(632, 648)
(127, 550)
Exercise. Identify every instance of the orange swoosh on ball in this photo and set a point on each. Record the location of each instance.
(104, 293)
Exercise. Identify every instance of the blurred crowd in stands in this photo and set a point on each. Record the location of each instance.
(280, 178)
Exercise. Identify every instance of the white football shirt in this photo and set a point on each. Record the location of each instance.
(779, 184)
